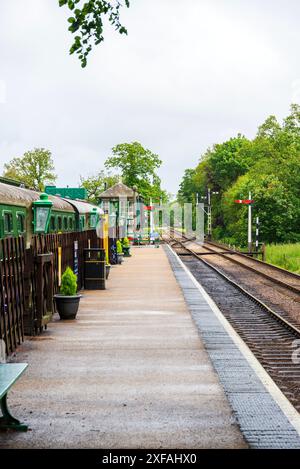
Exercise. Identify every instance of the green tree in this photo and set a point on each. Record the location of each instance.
(87, 23)
(268, 166)
(138, 168)
(269, 129)
(34, 169)
(291, 124)
(273, 203)
(187, 188)
(226, 163)
(96, 184)
(274, 181)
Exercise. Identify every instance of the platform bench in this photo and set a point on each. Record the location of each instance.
(9, 374)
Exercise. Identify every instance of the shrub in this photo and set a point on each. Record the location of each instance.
(126, 243)
(68, 283)
(119, 247)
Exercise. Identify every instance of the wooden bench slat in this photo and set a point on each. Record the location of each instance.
(9, 373)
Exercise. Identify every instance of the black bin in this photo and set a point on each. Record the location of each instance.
(94, 269)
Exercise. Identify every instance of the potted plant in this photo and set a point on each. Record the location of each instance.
(120, 253)
(126, 247)
(67, 300)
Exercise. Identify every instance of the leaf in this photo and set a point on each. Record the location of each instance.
(88, 21)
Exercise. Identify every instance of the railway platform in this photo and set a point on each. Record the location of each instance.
(149, 363)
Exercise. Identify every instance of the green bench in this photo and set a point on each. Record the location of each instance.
(9, 374)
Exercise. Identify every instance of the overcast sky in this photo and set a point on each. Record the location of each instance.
(190, 73)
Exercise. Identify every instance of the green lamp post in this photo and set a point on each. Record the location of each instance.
(41, 214)
(93, 217)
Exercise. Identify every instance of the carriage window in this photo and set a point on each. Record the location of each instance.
(59, 223)
(82, 222)
(8, 222)
(65, 223)
(20, 222)
(71, 223)
(52, 223)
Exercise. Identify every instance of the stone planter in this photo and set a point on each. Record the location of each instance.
(126, 250)
(120, 257)
(67, 306)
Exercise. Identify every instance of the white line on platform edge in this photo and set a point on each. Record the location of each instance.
(287, 408)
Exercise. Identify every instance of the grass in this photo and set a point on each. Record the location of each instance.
(284, 255)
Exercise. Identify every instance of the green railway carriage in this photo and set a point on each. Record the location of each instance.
(17, 206)
(16, 213)
(88, 214)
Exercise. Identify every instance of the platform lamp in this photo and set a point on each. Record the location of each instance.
(94, 217)
(41, 214)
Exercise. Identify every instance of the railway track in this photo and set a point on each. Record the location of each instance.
(282, 277)
(273, 339)
(276, 287)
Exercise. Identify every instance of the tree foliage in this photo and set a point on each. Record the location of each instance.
(188, 187)
(96, 184)
(268, 166)
(34, 169)
(138, 168)
(87, 22)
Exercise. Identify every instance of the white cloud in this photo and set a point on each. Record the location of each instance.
(2, 92)
(189, 74)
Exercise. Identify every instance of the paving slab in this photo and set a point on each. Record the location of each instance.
(129, 372)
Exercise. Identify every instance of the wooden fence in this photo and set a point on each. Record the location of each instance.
(30, 277)
(12, 298)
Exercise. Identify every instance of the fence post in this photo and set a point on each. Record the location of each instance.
(59, 265)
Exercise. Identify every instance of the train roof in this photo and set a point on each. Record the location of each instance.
(13, 195)
(84, 207)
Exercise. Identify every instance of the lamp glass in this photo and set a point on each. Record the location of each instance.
(93, 220)
(42, 215)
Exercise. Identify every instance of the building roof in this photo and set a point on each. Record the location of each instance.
(116, 191)
(67, 192)
(24, 197)
(84, 207)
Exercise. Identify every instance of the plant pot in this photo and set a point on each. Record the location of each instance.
(67, 306)
(126, 250)
(107, 270)
(120, 257)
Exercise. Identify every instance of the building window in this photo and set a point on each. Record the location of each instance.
(20, 222)
(8, 222)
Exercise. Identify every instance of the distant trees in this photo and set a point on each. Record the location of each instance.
(34, 169)
(86, 22)
(269, 167)
(136, 164)
(96, 184)
(188, 187)
(138, 167)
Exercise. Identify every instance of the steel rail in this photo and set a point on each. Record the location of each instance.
(249, 295)
(227, 255)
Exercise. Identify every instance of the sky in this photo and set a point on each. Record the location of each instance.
(189, 74)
